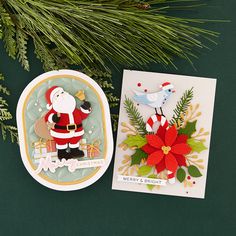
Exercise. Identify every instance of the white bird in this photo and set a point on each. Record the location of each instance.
(157, 99)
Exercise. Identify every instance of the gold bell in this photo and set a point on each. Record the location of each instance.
(80, 95)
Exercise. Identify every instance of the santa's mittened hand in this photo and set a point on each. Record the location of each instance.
(55, 118)
(86, 105)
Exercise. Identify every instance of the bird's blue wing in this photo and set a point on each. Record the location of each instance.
(141, 99)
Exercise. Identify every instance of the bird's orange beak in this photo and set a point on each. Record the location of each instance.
(173, 91)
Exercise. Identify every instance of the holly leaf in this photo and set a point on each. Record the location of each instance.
(138, 156)
(194, 171)
(181, 175)
(196, 145)
(151, 186)
(189, 129)
(135, 140)
(144, 170)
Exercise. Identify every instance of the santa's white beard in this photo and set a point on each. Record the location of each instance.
(65, 103)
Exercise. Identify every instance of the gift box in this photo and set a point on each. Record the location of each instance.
(90, 150)
(93, 149)
(51, 146)
(40, 147)
(44, 148)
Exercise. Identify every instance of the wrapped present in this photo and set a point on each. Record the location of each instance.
(93, 149)
(51, 146)
(40, 147)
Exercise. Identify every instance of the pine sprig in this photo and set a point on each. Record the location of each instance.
(8, 32)
(8, 129)
(21, 48)
(114, 120)
(181, 107)
(5, 115)
(135, 118)
(96, 32)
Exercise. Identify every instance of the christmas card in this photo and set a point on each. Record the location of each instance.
(64, 130)
(164, 132)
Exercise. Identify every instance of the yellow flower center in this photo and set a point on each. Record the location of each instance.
(165, 149)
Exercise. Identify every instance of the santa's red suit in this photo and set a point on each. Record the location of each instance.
(68, 129)
(72, 130)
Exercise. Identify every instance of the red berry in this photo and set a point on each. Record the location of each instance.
(194, 182)
(139, 84)
(145, 90)
(188, 177)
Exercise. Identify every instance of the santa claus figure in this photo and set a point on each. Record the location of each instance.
(66, 121)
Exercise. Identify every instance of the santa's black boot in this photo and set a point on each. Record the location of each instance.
(62, 153)
(76, 152)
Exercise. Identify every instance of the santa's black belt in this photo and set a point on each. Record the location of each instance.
(69, 127)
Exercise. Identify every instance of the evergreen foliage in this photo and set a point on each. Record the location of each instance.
(135, 118)
(5, 115)
(97, 34)
(181, 107)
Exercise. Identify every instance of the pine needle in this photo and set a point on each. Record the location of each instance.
(181, 107)
(135, 118)
(100, 33)
(5, 115)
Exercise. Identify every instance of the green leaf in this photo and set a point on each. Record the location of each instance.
(181, 175)
(144, 170)
(196, 145)
(194, 171)
(135, 140)
(151, 186)
(189, 129)
(138, 156)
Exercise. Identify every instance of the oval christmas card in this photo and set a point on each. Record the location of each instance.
(64, 128)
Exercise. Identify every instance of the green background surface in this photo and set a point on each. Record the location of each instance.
(28, 208)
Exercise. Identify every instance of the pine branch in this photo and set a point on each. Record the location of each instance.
(8, 129)
(1, 77)
(100, 33)
(8, 32)
(135, 117)
(114, 120)
(4, 90)
(5, 115)
(21, 47)
(181, 107)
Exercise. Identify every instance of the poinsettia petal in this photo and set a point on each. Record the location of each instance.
(161, 165)
(161, 132)
(148, 149)
(170, 136)
(181, 148)
(181, 160)
(171, 163)
(154, 158)
(181, 138)
(154, 140)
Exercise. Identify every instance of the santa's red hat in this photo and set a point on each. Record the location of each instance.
(50, 94)
(166, 85)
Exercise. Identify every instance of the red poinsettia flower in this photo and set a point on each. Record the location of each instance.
(166, 149)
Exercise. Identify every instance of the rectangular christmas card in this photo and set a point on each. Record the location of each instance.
(164, 131)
